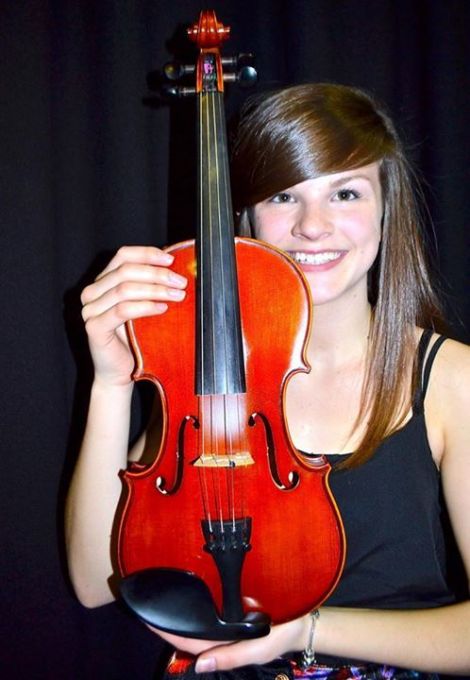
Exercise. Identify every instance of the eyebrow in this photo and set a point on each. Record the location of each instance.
(348, 178)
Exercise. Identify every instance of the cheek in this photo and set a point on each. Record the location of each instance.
(370, 248)
(366, 233)
(257, 224)
(269, 230)
(372, 252)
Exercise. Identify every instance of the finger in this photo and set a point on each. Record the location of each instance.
(102, 326)
(129, 292)
(226, 657)
(138, 254)
(132, 273)
(280, 640)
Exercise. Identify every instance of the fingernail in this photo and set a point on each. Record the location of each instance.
(176, 294)
(205, 665)
(160, 307)
(167, 258)
(175, 278)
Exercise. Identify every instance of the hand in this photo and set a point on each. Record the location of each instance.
(223, 656)
(189, 645)
(137, 282)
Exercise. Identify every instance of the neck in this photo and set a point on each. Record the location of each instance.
(339, 331)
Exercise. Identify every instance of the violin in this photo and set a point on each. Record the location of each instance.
(229, 529)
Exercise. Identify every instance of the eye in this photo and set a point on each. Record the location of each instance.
(282, 197)
(346, 195)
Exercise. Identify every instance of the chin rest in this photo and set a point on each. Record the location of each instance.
(179, 602)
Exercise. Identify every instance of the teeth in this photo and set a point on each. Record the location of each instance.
(316, 258)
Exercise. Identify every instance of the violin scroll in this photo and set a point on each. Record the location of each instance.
(209, 34)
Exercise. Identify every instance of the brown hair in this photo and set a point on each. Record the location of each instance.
(305, 131)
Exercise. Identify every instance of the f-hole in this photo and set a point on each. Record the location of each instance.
(160, 482)
(293, 477)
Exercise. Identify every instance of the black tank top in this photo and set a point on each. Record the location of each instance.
(392, 516)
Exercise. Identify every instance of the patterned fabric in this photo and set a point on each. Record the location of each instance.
(181, 667)
(360, 672)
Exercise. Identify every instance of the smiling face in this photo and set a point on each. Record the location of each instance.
(330, 226)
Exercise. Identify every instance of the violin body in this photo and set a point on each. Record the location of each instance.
(229, 529)
(297, 539)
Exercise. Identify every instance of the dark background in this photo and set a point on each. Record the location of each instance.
(87, 166)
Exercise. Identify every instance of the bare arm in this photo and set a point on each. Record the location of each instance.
(95, 491)
(137, 282)
(432, 640)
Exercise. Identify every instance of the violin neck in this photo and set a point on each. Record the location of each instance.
(219, 347)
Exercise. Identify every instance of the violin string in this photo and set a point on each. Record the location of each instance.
(202, 470)
(241, 411)
(232, 472)
(218, 120)
(210, 241)
(214, 418)
(214, 212)
(233, 402)
(229, 474)
(240, 400)
(202, 439)
(211, 220)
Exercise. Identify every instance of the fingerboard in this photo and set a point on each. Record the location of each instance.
(219, 347)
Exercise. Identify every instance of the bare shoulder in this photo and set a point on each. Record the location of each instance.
(447, 402)
(450, 396)
(451, 372)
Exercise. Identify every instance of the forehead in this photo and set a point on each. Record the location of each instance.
(367, 173)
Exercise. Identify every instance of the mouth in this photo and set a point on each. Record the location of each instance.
(315, 259)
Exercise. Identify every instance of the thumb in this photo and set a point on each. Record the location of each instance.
(281, 639)
(226, 657)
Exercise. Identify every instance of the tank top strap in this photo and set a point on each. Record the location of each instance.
(424, 368)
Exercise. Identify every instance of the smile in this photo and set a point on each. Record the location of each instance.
(315, 258)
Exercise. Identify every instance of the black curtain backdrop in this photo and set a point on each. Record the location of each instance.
(88, 165)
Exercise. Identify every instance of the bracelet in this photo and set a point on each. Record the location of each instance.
(308, 655)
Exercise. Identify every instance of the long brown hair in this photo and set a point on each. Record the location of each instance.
(310, 130)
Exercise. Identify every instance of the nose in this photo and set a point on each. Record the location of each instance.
(312, 223)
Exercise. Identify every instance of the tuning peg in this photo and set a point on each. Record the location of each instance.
(174, 70)
(176, 91)
(245, 59)
(238, 61)
(245, 77)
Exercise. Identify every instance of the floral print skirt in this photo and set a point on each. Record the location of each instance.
(181, 667)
